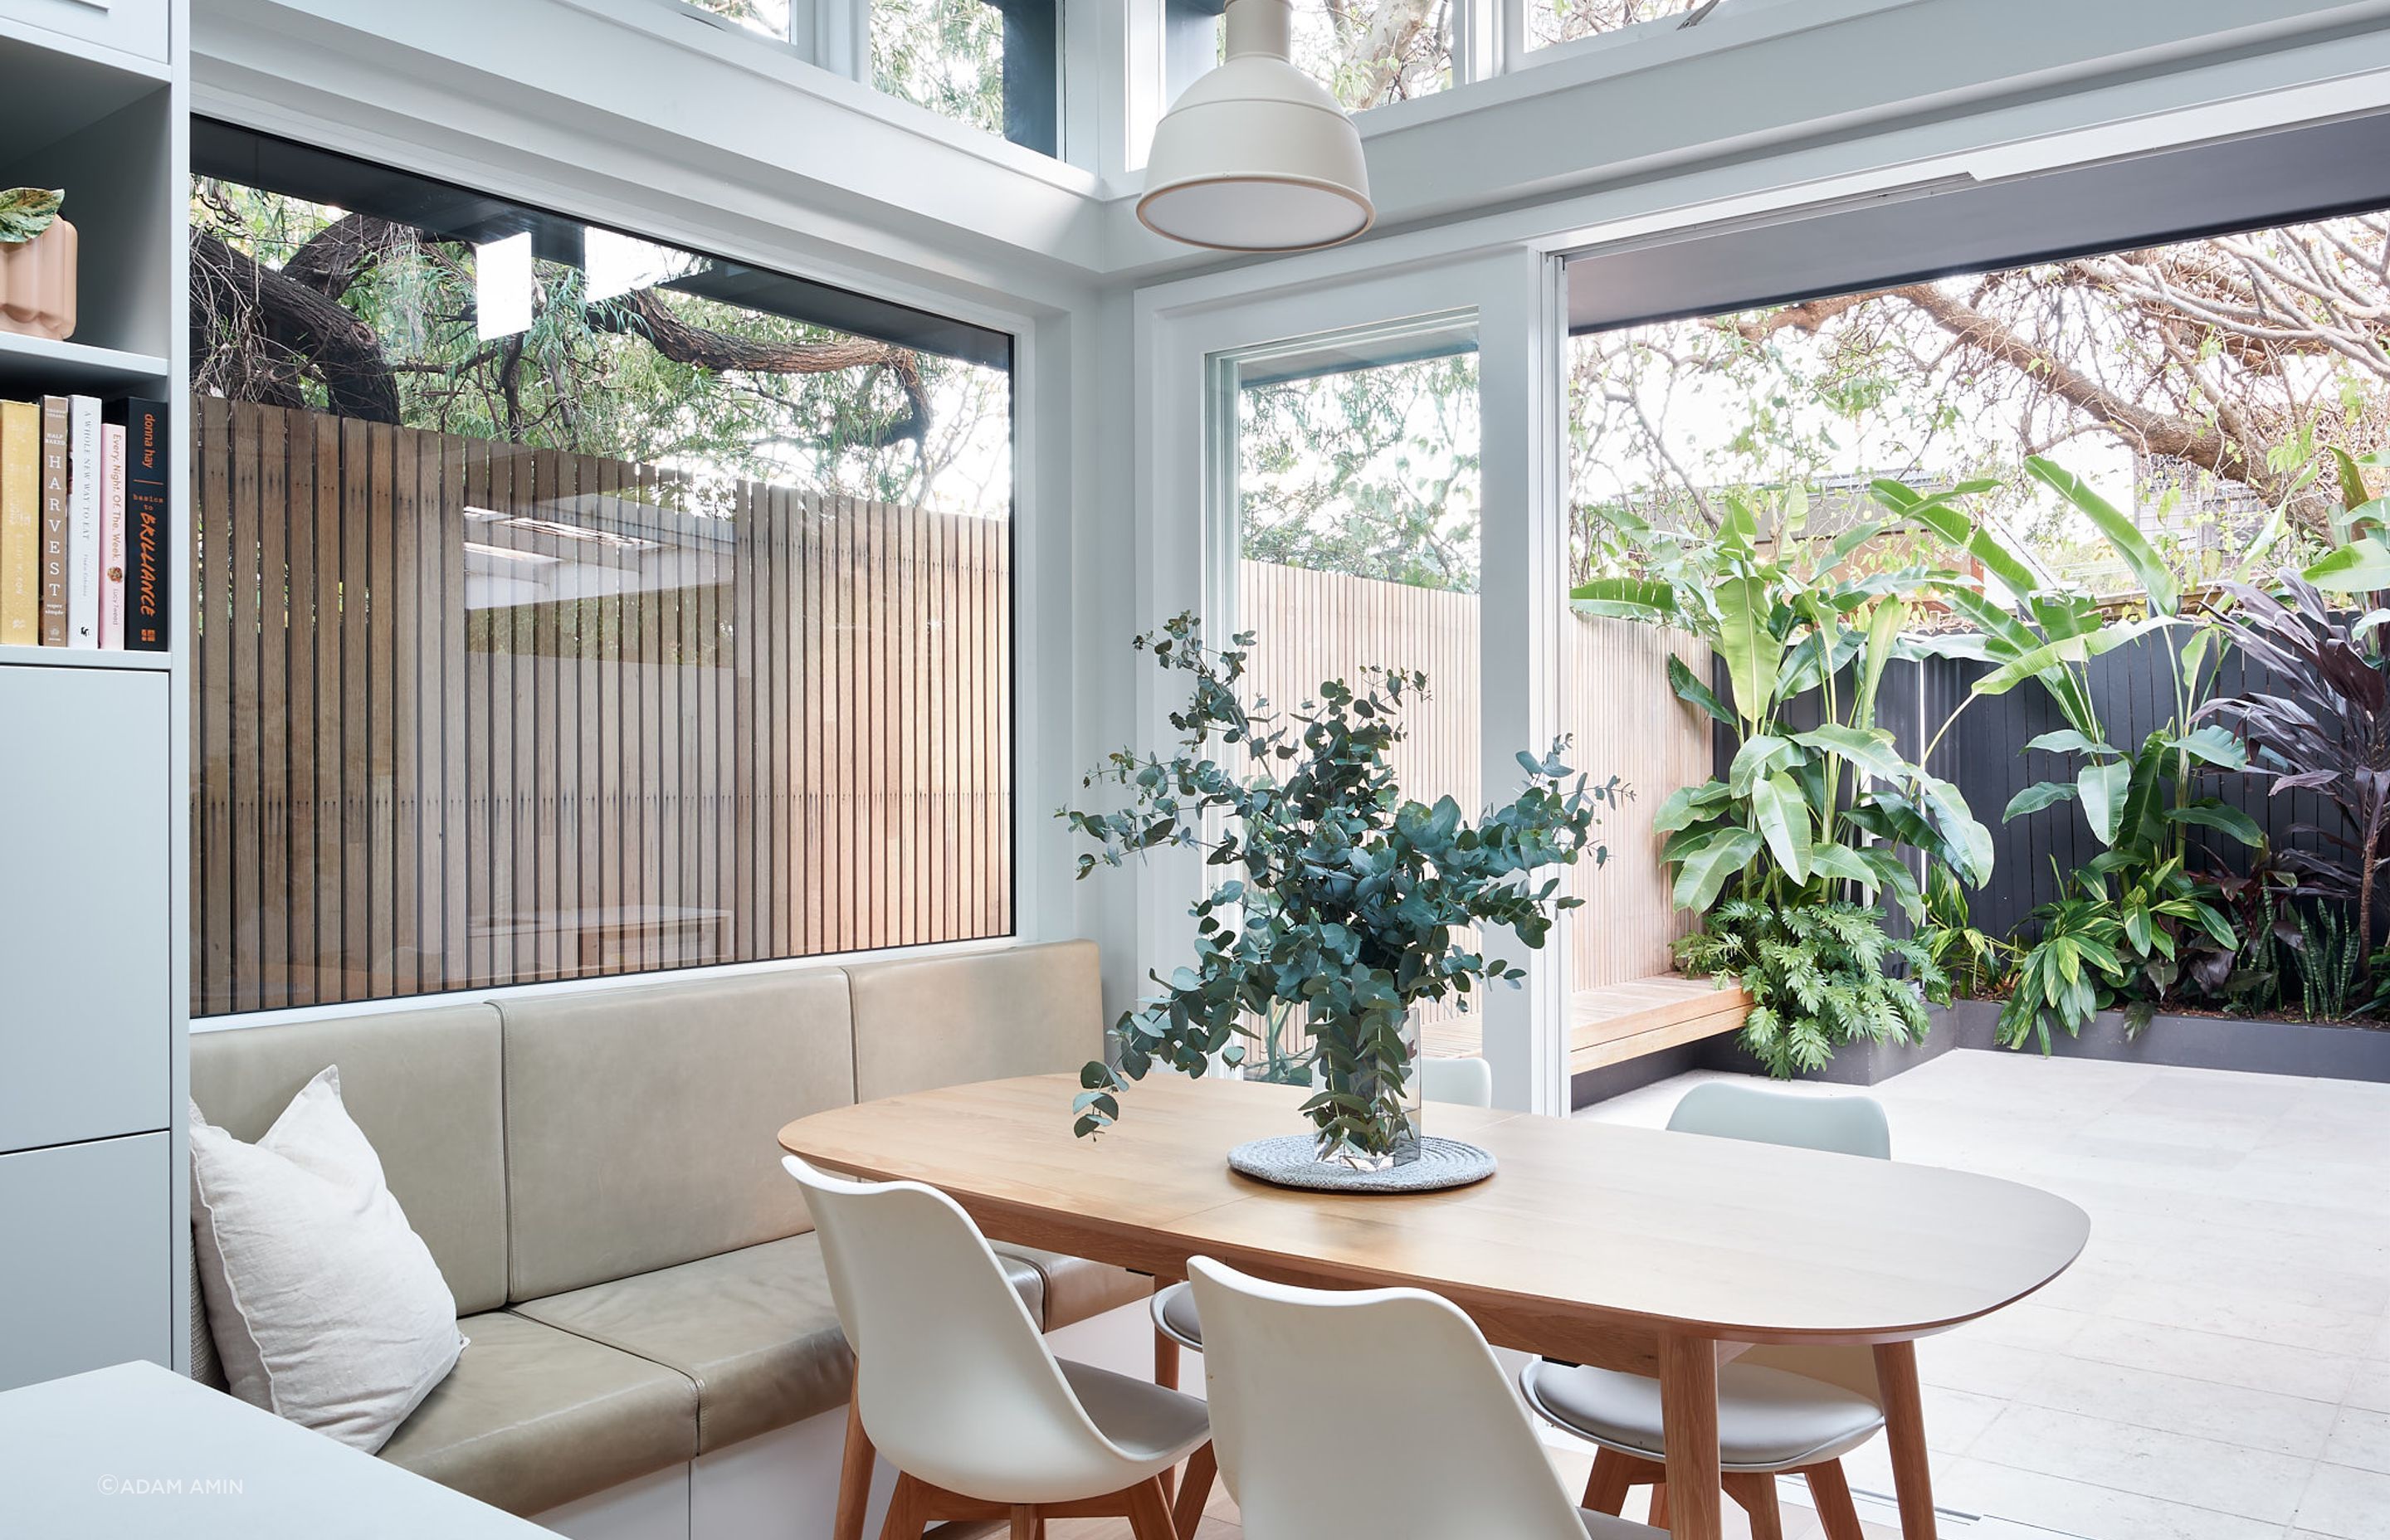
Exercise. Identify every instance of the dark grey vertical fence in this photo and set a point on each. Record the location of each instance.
(1985, 755)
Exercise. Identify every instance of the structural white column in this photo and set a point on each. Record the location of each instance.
(1521, 387)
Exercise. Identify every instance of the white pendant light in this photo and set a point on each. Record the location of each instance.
(1256, 156)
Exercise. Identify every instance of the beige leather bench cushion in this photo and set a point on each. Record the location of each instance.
(1077, 1289)
(929, 1022)
(756, 1330)
(533, 1417)
(642, 1124)
(423, 1085)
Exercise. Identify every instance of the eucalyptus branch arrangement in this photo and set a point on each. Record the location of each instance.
(1336, 899)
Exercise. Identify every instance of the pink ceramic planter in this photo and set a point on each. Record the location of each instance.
(37, 284)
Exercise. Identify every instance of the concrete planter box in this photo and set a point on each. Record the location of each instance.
(1853, 1064)
(2246, 1044)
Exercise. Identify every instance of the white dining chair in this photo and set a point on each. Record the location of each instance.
(955, 1385)
(1377, 1412)
(1780, 1409)
(1457, 1082)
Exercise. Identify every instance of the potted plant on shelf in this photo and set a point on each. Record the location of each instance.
(1341, 907)
(37, 264)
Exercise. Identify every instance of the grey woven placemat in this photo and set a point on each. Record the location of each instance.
(1288, 1161)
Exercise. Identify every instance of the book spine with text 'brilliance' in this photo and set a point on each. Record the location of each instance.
(84, 499)
(53, 520)
(20, 524)
(111, 537)
(147, 525)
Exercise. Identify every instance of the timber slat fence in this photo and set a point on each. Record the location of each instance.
(471, 713)
(1615, 702)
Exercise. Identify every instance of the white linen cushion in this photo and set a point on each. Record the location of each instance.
(325, 1307)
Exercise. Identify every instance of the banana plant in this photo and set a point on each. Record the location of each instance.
(1801, 812)
(2051, 637)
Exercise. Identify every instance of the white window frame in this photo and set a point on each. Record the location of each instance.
(1190, 541)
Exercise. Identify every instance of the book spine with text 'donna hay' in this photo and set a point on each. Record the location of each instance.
(146, 524)
(20, 524)
(86, 498)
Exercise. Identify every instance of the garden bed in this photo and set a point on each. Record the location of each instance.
(2334, 1050)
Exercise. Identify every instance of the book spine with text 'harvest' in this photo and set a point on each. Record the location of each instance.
(20, 524)
(147, 525)
(53, 520)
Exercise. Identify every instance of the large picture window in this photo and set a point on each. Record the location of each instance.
(571, 604)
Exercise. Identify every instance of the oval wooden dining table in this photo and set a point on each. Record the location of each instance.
(1661, 1253)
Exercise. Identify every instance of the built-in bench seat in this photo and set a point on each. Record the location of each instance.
(1612, 1023)
(597, 1173)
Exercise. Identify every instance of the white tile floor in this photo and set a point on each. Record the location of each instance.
(2217, 1364)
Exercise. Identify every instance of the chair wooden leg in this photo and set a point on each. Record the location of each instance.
(1149, 1512)
(1756, 1495)
(1165, 1360)
(1606, 1488)
(1026, 1522)
(1832, 1492)
(908, 1510)
(853, 1476)
(1187, 1513)
(1659, 1504)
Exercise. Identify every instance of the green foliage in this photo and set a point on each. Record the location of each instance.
(1372, 472)
(944, 54)
(588, 378)
(2128, 933)
(1975, 961)
(2143, 800)
(1803, 816)
(1337, 896)
(2331, 956)
(26, 212)
(1820, 976)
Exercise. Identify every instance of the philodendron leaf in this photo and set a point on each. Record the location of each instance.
(2124, 537)
(2032, 799)
(1759, 754)
(2360, 567)
(2213, 745)
(2102, 787)
(1872, 750)
(2066, 740)
(2213, 813)
(1783, 816)
(26, 212)
(1694, 692)
(1706, 866)
(1970, 841)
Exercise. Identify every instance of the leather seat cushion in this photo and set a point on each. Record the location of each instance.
(531, 1417)
(756, 1330)
(1768, 1420)
(1148, 1421)
(1174, 1310)
(1077, 1289)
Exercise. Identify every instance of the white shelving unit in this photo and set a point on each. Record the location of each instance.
(94, 746)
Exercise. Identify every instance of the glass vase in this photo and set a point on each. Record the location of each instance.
(1377, 1129)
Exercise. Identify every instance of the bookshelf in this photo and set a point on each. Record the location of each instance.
(93, 760)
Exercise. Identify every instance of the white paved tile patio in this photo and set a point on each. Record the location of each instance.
(2218, 1366)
